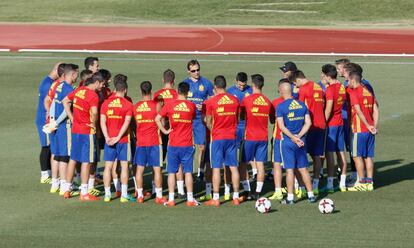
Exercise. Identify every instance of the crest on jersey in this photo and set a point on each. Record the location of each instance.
(220, 110)
(255, 109)
(316, 87)
(201, 88)
(246, 94)
(342, 90)
(176, 116)
(182, 107)
(294, 105)
(138, 117)
(225, 100)
(366, 92)
(260, 101)
(190, 94)
(143, 107)
(291, 115)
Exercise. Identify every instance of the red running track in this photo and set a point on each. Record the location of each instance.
(217, 39)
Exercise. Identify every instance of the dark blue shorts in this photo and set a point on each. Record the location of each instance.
(53, 143)
(315, 142)
(223, 152)
(277, 157)
(63, 139)
(199, 132)
(83, 148)
(255, 150)
(119, 151)
(335, 140)
(43, 137)
(180, 155)
(363, 145)
(148, 156)
(293, 156)
(239, 135)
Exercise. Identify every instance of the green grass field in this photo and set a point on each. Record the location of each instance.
(348, 13)
(30, 216)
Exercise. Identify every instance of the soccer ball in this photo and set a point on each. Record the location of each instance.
(326, 206)
(263, 205)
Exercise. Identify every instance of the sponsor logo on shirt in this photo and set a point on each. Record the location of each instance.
(116, 103)
(81, 94)
(165, 94)
(225, 100)
(143, 107)
(260, 101)
(294, 105)
(182, 107)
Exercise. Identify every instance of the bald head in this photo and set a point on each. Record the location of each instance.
(54, 72)
(285, 89)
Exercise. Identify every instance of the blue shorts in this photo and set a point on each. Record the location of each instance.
(347, 134)
(63, 139)
(277, 157)
(223, 152)
(239, 135)
(83, 148)
(119, 151)
(335, 140)
(315, 142)
(199, 132)
(293, 156)
(363, 145)
(53, 143)
(148, 156)
(43, 137)
(255, 151)
(180, 155)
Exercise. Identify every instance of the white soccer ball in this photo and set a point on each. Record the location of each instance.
(326, 206)
(263, 205)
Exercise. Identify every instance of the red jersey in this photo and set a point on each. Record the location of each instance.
(116, 109)
(180, 114)
(165, 95)
(364, 98)
(258, 109)
(224, 109)
(313, 96)
(337, 93)
(147, 131)
(277, 133)
(83, 100)
(129, 99)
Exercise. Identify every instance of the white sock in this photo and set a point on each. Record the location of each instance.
(180, 187)
(296, 183)
(116, 184)
(91, 183)
(140, 192)
(329, 183)
(278, 189)
(236, 195)
(342, 183)
(315, 183)
(290, 197)
(216, 196)
(227, 189)
(124, 190)
(310, 194)
(107, 191)
(49, 173)
(190, 196)
(62, 185)
(171, 196)
(208, 188)
(68, 187)
(254, 171)
(84, 189)
(44, 174)
(259, 187)
(55, 182)
(246, 185)
(158, 192)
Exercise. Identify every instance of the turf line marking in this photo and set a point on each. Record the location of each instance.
(203, 60)
(332, 54)
(219, 42)
(286, 3)
(4, 50)
(275, 11)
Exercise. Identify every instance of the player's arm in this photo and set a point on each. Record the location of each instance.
(66, 105)
(361, 116)
(104, 129)
(158, 119)
(328, 109)
(94, 117)
(209, 122)
(123, 129)
(272, 115)
(375, 115)
(46, 103)
(306, 126)
(286, 131)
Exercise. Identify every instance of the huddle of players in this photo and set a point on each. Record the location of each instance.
(237, 119)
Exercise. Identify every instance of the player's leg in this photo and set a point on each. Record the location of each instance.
(343, 166)
(44, 156)
(186, 158)
(88, 155)
(217, 160)
(115, 173)
(139, 177)
(208, 176)
(308, 183)
(199, 137)
(156, 162)
(369, 161)
(230, 161)
(261, 158)
(55, 174)
(107, 179)
(63, 165)
(277, 171)
(227, 183)
(290, 180)
(70, 172)
(173, 164)
(180, 183)
(124, 181)
(301, 165)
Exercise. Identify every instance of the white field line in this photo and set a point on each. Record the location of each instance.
(247, 60)
(4, 50)
(286, 3)
(275, 11)
(218, 53)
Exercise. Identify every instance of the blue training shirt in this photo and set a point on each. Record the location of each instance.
(62, 91)
(199, 92)
(42, 92)
(293, 113)
(240, 94)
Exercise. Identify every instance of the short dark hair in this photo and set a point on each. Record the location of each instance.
(105, 74)
(85, 74)
(119, 78)
(330, 71)
(258, 81)
(284, 81)
(90, 61)
(146, 87)
(168, 76)
(220, 82)
(121, 86)
(69, 68)
(183, 88)
(355, 75)
(353, 67)
(242, 77)
(295, 75)
(192, 62)
(61, 69)
(97, 76)
(342, 61)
